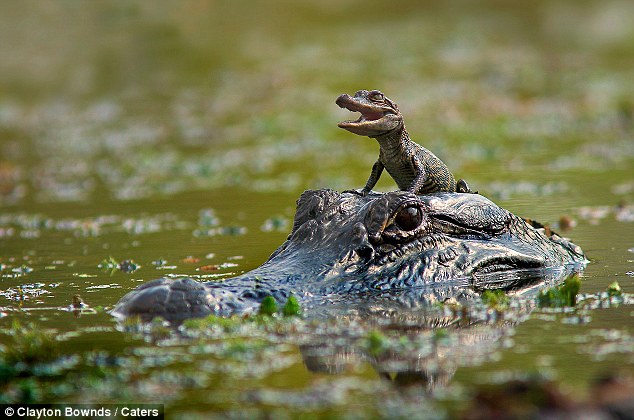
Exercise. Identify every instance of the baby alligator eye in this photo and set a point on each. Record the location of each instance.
(376, 96)
(409, 218)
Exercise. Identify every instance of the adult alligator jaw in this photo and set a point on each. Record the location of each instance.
(347, 247)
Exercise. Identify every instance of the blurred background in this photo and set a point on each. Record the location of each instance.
(141, 139)
(120, 100)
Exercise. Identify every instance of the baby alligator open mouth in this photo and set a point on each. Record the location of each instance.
(368, 111)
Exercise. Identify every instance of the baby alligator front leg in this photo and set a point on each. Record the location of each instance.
(377, 170)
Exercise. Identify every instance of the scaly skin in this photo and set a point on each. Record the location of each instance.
(414, 168)
(396, 248)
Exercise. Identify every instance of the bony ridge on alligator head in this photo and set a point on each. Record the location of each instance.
(414, 168)
(395, 216)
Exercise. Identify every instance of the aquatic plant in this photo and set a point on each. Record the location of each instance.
(495, 299)
(560, 296)
(108, 264)
(227, 324)
(614, 289)
(268, 306)
(31, 345)
(291, 308)
(128, 266)
(376, 343)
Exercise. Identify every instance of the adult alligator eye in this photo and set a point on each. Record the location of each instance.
(409, 218)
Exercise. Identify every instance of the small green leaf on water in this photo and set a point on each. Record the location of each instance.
(109, 264)
(376, 343)
(291, 308)
(441, 333)
(268, 306)
(560, 296)
(495, 298)
(614, 289)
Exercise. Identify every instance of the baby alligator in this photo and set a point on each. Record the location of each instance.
(414, 168)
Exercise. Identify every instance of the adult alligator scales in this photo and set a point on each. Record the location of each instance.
(397, 246)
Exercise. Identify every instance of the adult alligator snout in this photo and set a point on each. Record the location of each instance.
(398, 245)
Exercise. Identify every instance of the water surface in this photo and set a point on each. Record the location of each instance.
(179, 135)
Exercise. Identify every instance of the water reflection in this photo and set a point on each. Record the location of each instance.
(421, 337)
(167, 99)
(420, 344)
(414, 347)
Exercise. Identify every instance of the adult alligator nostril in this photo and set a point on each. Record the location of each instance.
(365, 251)
(362, 246)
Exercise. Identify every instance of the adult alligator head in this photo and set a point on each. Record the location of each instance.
(394, 246)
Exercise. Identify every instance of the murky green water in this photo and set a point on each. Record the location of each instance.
(178, 135)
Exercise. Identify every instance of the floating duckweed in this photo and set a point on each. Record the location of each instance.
(109, 264)
(614, 289)
(30, 345)
(227, 324)
(159, 263)
(291, 308)
(160, 329)
(276, 223)
(207, 217)
(495, 298)
(23, 269)
(376, 343)
(29, 391)
(132, 324)
(243, 349)
(560, 296)
(129, 266)
(268, 306)
(234, 230)
(441, 334)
